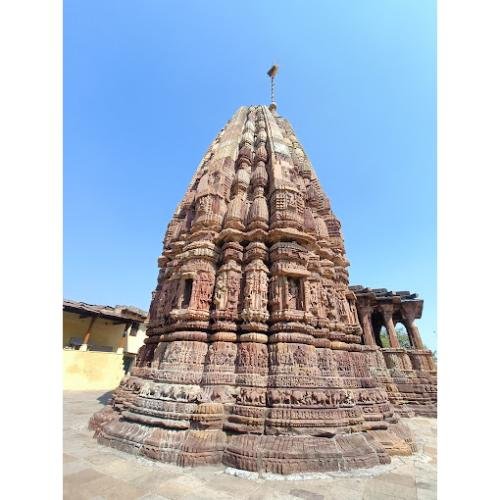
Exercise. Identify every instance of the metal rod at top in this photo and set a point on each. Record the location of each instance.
(273, 71)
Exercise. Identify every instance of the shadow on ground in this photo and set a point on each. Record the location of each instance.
(104, 398)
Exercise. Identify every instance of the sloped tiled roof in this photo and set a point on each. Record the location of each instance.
(130, 313)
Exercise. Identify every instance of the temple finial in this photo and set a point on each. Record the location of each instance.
(273, 71)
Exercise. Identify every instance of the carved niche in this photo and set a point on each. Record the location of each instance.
(294, 294)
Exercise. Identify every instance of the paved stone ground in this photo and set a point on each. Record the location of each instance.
(92, 471)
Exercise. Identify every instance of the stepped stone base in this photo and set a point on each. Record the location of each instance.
(281, 454)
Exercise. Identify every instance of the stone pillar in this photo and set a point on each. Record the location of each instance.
(366, 323)
(408, 313)
(387, 310)
(415, 336)
(86, 337)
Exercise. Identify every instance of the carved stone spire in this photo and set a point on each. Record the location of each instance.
(254, 354)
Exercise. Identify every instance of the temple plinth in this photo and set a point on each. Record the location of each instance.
(258, 354)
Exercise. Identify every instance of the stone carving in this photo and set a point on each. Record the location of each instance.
(227, 290)
(254, 355)
(204, 286)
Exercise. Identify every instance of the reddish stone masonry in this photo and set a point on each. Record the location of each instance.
(258, 354)
(412, 386)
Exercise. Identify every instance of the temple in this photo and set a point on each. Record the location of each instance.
(258, 354)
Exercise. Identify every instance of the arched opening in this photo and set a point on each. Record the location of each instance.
(295, 294)
(384, 337)
(403, 337)
(377, 325)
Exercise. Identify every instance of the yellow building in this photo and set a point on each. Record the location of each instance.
(99, 344)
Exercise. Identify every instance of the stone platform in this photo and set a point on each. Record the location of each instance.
(92, 471)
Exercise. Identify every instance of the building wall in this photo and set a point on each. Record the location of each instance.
(87, 370)
(135, 342)
(94, 370)
(104, 332)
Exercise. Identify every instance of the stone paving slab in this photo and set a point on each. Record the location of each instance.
(95, 472)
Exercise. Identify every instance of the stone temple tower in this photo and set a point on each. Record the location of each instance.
(255, 356)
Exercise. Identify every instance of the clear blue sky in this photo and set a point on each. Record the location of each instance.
(148, 85)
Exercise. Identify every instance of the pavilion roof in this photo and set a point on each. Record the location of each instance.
(383, 293)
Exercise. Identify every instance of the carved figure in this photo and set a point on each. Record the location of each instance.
(220, 295)
(204, 290)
